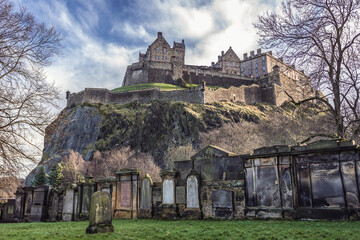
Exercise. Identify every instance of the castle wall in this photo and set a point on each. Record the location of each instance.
(99, 95)
(214, 78)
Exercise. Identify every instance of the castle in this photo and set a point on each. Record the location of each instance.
(257, 78)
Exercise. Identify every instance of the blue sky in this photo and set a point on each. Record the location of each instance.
(102, 37)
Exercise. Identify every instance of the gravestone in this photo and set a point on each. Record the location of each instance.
(192, 193)
(168, 192)
(100, 220)
(68, 205)
(146, 198)
(146, 193)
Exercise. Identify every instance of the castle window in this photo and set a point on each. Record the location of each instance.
(263, 58)
(263, 68)
(157, 49)
(164, 58)
(227, 64)
(164, 50)
(233, 64)
(157, 57)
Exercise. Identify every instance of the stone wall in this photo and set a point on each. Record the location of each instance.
(99, 95)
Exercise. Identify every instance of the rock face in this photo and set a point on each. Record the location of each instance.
(77, 129)
(153, 128)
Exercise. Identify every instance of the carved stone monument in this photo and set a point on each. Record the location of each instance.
(39, 205)
(167, 209)
(127, 194)
(100, 220)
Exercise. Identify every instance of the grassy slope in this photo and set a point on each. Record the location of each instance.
(161, 86)
(183, 229)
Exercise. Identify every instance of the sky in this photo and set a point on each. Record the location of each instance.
(103, 37)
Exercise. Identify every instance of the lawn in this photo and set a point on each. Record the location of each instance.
(187, 229)
(161, 86)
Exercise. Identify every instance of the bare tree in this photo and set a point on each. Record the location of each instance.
(107, 163)
(26, 47)
(321, 37)
(74, 168)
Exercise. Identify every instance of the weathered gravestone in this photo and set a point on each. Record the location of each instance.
(100, 213)
(192, 193)
(145, 204)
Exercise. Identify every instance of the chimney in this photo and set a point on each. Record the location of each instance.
(245, 56)
(252, 54)
(159, 34)
(212, 64)
(222, 53)
(183, 42)
(258, 51)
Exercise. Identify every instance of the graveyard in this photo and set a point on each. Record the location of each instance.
(186, 229)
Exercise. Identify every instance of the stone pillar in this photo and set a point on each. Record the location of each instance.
(53, 206)
(68, 205)
(127, 194)
(146, 197)
(39, 206)
(167, 208)
(29, 193)
(20, 204)
(85, 189)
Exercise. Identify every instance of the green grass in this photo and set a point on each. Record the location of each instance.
(161, 86)
(184, 229)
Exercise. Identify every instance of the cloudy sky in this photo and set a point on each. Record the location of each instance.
(102, 37)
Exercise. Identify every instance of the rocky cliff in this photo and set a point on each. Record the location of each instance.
(152, 128)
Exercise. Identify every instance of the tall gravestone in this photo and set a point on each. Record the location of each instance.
(85, 191)
(68, 205)
(127, 194)
(146, 197)
(192, 192)
(100, 219)
(192, 210)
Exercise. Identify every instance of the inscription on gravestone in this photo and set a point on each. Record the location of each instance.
(126, 194)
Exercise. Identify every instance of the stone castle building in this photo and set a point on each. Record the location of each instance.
(162, 63)
(256, 78)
